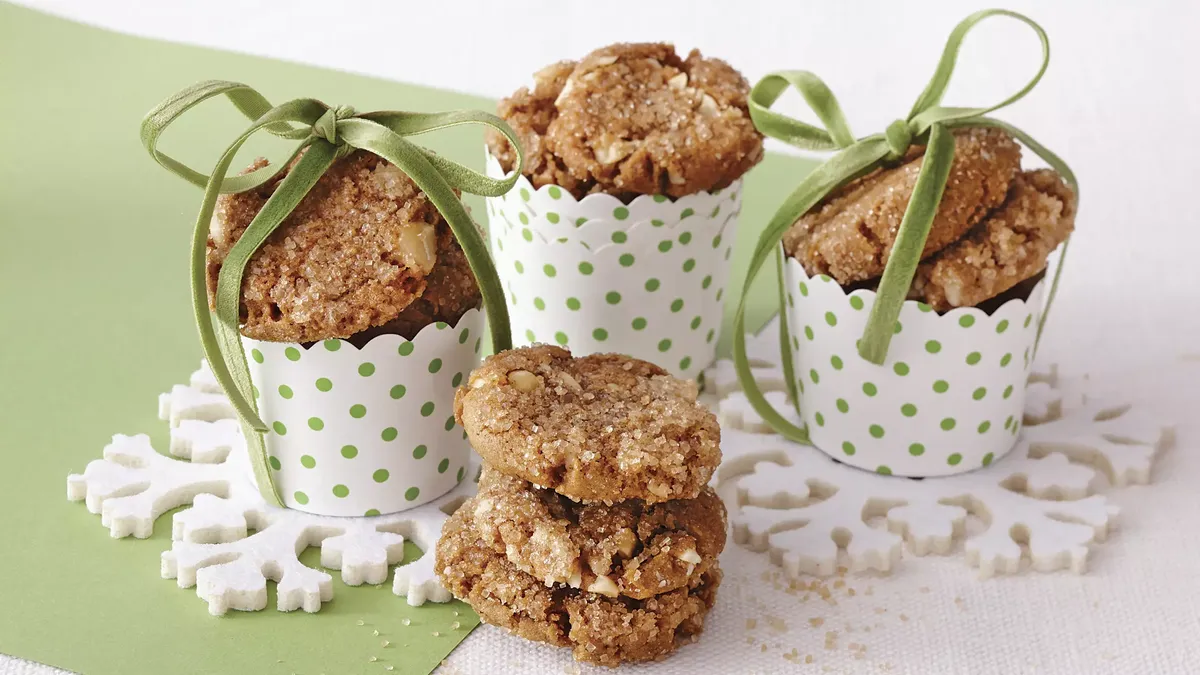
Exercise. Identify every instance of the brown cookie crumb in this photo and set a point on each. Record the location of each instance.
(629, 548)
(1008, 247)
(529, 113)
(599, 629)
(357, 251)
(604, 427)
(850, 235)
(632, 119)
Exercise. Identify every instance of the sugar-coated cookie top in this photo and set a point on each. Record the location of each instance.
(850, 235)
(358, 250)
(1008, 247)
(632, 119)
(603, 427)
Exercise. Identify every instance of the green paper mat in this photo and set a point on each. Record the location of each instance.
(95, 311)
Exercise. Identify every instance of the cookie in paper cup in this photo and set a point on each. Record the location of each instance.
(910, 266)
(365, 431)
(646, 278)
(359, 247)
(947, 399)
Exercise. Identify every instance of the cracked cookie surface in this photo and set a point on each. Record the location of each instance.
(598, 629)
(628, 548)
(603, 427)
(849, 236)
(632, 119)
(358, 250)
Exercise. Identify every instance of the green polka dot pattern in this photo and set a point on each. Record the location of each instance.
(947, 398)
(646, 278)
(350, 428)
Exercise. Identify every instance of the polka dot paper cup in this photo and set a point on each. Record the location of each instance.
(365, 431)
(948, 399)
(597, 275)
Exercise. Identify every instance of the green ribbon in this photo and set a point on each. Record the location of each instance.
(928, 123)
(325, 134)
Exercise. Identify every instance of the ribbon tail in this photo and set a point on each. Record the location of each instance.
(785, 338)
(1068, 175)
(408, 158)
(840, 169)
(754, 395)
(287, 195)
(204, 319)
(910, 243)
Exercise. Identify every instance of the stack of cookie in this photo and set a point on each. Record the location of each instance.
(594, 527)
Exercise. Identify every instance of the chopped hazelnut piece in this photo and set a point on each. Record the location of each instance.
(604, 586)
(524, 380)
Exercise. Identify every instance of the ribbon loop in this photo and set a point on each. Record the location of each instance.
(929, 123)
(927, 109)
(325, 134)
(794, 132)
(899, 137)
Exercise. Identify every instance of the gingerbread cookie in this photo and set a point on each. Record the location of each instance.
(850, 235)
(358, 250)
(599, 629)
(629, 548)
(1008, 247)
(633, 119)
(603, 427)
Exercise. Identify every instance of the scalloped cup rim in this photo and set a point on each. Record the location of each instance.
(394, 339)
(868, 297)
(640, 225)
(608, 227)
(601, 197)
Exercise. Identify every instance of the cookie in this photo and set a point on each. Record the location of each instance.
(849, 236)
(1008, 247)
(357, 251)
(604, 427)
(529, 112)
(450, 290)
(629, 548)
(598, 629)
(632, 119)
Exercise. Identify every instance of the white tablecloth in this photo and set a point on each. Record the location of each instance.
(1134, 612)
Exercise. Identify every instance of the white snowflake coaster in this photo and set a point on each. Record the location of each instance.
(1040, 505)
(231, 542)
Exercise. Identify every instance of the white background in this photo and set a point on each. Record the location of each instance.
(1121, 103)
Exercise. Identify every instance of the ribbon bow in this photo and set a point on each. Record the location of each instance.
(324, 133)
(928, 123)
